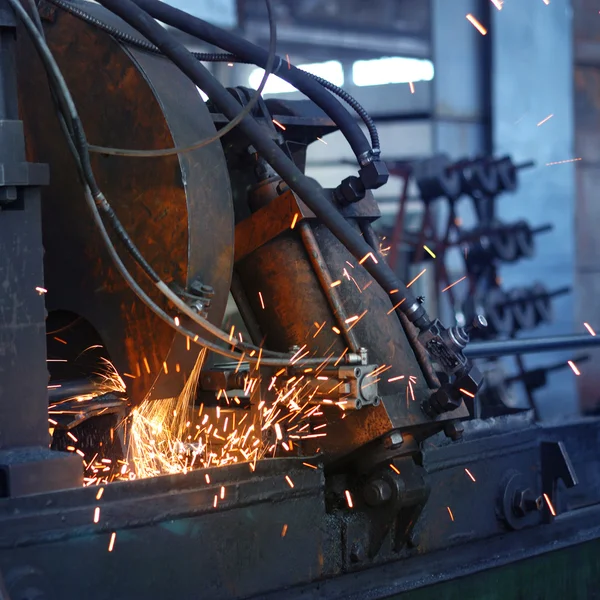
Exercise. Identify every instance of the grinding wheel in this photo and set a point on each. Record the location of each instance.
(177, 209)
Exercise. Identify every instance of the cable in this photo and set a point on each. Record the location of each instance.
(77, 143)
(233, 123)
(211, 57)
(256, 55)
(308, 190)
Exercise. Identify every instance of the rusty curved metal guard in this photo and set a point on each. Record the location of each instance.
(177, 209)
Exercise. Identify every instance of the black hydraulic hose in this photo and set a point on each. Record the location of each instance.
(131, 40)
(256, 55)
(308, 190)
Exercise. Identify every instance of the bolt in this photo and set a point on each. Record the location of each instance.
(357, 553)
(377, 492)
(525, 502)
(454, 430)
(394, 440)
(479, 322)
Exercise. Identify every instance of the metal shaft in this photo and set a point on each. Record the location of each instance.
(530, 346)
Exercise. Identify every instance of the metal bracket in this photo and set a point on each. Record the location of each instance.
(556, 466)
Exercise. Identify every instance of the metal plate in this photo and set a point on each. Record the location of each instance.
(178, 210)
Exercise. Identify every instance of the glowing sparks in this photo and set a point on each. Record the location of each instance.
(262, 302)
(111, 544)
(389, 312)
(589, 328)
(284, 530)
(322, 140)
(450, 512)
(349, 499)
(336, 283)
(231, 332)
(395, 378)
(99, 494)
(411, 86)
(165, 368)
(574, 367)
(289, 481)
(393, 468)
(562, 162)
(546, 2)
(368, 255)
(482, 30)
(351, 319)
(176, 321)
(336, 330)
(549, 503)
(146, 365)
(453, 284)
(294, 221)
(497, 4)
(466, 393)
(41, 291)
(279, 125)
(429, 251)
(545, 120)
(96, 514)
(222, 493)
(417, 277)
(309, 465)
(470, 475)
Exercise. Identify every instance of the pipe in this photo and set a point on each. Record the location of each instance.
(324, 276)
(530, 346)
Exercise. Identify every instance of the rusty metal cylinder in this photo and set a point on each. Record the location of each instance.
(285, 282)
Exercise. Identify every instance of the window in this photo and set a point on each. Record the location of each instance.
(331, 70)
(395, 69)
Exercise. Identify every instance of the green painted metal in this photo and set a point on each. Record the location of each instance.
(572, 573)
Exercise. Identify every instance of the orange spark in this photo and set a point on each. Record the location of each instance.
(60, 340)
(351, 319)
(497, 4)
(545, 120)
(322, 140)
(279, 124)
(466, 393)
(450, 513)
(336, 283)
(176, 321)
(165, 368)
(482, 30)
(99, 494)
(453, 284)
(470, 474)
(146, 364)
(336, 330)
(309, 465)
(262, 302)
(393, 468)
(287, 57)
(206, 475)
(289, 481)
(231, 332)
(417, 277)
(41, 291)
(284, 530)
(411, 86)
(294, 221)
(395, 306)
(549, 503)
(589, 328)
(349, 499)
(364, 258)
(395, 378)
(111, 544)
(96, 514)
(574, 367)
(222, 492)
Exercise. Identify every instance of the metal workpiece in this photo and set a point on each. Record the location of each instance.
(145, 94)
